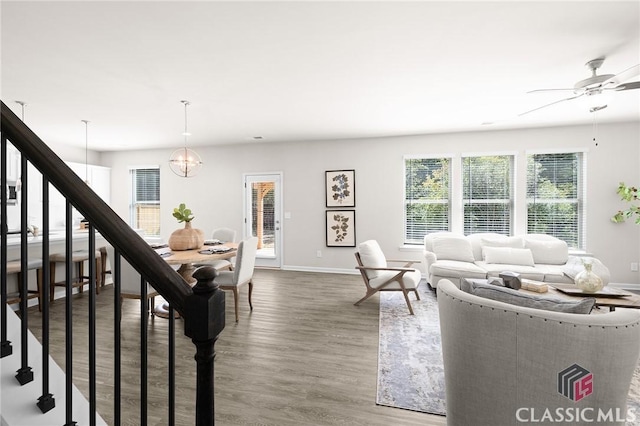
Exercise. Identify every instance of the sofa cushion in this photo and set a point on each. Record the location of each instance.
(519, 298)
(453, 247)
(428, 238)
(554, 274)
(525, 271)
(507, 256)
(371, 255)
(549, 252)
(457, 269)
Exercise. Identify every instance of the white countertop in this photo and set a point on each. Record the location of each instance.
(13, 240)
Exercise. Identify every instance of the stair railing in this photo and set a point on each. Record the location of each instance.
(202, 307)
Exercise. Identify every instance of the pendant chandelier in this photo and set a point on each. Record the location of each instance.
(185, 162)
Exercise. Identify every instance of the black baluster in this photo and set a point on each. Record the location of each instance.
(92, 325)
(117, 356)
(24, 374)
(68, 316)
(143, 351)
(172, 367)
(46, 402)
(5, 345)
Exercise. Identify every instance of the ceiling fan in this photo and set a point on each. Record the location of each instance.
(595, 86)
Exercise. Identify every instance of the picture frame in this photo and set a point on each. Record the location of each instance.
(340, 188)
(341, 228)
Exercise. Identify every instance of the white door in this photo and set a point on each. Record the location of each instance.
(263, 216)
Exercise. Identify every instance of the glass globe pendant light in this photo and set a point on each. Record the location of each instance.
(185, 162)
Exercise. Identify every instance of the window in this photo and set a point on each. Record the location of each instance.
(486, 194)
(427, 200)
(145, 200)
(555, 196)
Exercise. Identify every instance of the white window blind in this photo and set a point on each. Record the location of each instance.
(145, 204)
(427, 197)
(555, 196)
(487, 194)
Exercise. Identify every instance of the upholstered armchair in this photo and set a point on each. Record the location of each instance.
(506, 364)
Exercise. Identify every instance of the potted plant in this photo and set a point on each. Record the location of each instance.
(629, 194)
(186, 238)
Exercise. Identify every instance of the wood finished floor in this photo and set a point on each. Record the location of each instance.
(304, 356)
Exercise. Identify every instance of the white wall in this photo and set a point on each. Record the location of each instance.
(216, 194)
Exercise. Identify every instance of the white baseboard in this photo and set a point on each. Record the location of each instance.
(323, 270)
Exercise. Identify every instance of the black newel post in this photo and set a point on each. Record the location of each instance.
(203, 322)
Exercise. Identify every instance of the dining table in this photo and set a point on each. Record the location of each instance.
(187, 259)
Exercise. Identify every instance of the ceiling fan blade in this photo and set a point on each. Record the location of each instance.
(624, 75)
(628, 86)
(550, 90)
(552, 103)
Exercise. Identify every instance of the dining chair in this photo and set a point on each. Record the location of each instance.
(224, 235)
(130, 282)
(242, 273)
(379, 276)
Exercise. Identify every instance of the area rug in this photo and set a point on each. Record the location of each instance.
(410, 370)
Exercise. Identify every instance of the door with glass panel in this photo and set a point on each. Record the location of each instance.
(263, 216)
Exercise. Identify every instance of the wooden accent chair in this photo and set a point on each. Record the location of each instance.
(379, 276)
(242, 273)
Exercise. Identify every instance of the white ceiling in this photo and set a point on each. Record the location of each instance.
(298, 71)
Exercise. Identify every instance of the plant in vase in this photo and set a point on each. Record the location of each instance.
(629, 194)
(186, 238)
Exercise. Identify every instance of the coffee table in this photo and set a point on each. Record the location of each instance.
(611, 297)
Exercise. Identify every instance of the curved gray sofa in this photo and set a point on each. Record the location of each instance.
(502, 362)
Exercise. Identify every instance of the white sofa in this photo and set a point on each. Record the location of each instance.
(484, 255)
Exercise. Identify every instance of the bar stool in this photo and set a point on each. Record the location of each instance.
(103, 268)
(80, 279)
(15, 267)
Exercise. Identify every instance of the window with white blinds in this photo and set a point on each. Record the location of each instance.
(145, 202)
(487, 194)
(427, 197)
(555, 196)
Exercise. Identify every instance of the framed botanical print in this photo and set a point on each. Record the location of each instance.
(341, 228)
(340, 188)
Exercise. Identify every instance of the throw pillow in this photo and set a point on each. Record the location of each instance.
(507, 256)
(518, 298)
(554, 252)
(453, 248)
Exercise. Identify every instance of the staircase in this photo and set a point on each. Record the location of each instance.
(41, 393)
